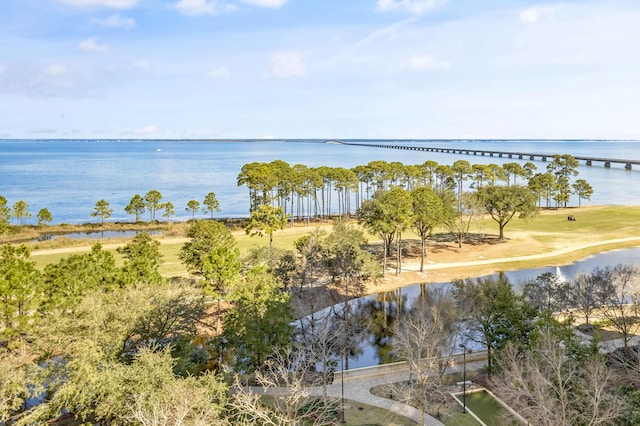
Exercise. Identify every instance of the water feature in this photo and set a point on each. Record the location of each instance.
(99, 235)
(384, 309)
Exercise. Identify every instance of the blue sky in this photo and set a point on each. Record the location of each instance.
(319, 69)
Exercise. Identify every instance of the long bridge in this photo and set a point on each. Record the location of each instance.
(501, 154)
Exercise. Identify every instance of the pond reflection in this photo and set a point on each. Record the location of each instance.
(97, 235)
(385, 309)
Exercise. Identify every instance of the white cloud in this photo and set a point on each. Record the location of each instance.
(275, 4)
(415, 7)
(425, 62)
(147, 130)
(220, 72)
(535, 14)
(92, 45)
(114, 21)
(115, 4)
(288, 65)
(200, 7)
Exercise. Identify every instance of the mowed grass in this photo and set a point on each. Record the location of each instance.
(549, 231)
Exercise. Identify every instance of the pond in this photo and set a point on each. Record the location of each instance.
(382, 309)
(99, 235)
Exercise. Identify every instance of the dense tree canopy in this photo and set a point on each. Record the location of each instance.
(152, 203)
(136, 206)
(21, 211)
(504, 202)
(260, 322)
(211, 204)
(266, 219)
(142, 260)
(492, 313)
(205, 236)
(102, 210)
(44, 216)
(428, 213)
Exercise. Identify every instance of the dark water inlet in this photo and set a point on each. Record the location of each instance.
(98, 235)
(383, 309)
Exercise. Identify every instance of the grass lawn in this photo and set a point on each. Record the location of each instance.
(362, 414)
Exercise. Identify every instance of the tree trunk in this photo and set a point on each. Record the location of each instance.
(423, 253)
(384, 261)
(219, 322)
(398, 253)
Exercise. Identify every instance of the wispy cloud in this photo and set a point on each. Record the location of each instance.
(114, 21)
(372, 37)
(275, 4)
(535, 14)
(92, 45)
(289, 64)
(414, 7)
(425, 62)
(202, 7)
(114, 4)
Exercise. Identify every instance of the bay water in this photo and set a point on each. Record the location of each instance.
(69, 176)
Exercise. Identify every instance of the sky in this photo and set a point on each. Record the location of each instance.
(375, 69)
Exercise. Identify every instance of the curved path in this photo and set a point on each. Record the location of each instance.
(529, 256)
(359, 391)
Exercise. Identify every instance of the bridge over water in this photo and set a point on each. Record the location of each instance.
(500, 154)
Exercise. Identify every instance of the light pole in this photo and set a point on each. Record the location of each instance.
(343, 419)
(464, 378)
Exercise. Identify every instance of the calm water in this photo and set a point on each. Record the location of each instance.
(69, 176)
(384, 308)
(98, 235)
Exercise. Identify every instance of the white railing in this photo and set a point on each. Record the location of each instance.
(401, 367)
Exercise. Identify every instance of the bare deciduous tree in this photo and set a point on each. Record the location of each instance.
(323, 339)
(544, 292)
(621, 304)
(548, 386)
(286, 378)
(587, 293)
(426, 340)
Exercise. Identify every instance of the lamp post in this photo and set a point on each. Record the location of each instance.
(464, 378)
(343, 419)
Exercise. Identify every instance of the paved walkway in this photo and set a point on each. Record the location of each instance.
(359, 390)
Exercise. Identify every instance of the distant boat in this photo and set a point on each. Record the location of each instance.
(158, 150)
